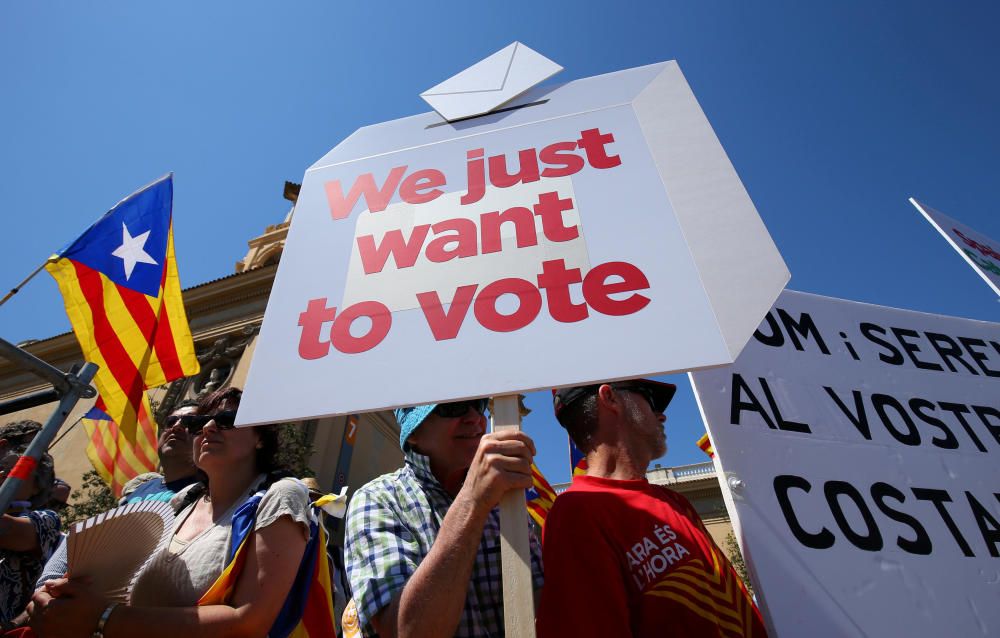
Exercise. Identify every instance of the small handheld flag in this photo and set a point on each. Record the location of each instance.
(111, 455)
(540, 496)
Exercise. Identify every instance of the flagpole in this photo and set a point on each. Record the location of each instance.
(16, 289)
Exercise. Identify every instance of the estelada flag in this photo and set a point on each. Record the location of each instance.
(540, 496)
(123, 296)
(114, 458)
(308, 608)
(706, 446)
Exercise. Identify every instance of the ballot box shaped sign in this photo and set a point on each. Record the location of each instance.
(860, 450)
(585, 231)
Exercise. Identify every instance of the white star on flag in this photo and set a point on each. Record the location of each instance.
(132, 251)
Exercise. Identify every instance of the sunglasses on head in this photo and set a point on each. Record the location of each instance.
(195, 423)
(459, 408)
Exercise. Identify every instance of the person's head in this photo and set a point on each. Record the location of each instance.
(174, 443)
(16, 435)
(218, 446)
(447, 433)
(14, 440)
(624, 411)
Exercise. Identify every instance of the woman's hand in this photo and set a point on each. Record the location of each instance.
(65, 607)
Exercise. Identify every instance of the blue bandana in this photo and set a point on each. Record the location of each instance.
(410, 418)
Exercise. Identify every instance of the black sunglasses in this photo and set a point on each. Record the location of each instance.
(459, 408)
(195, 423)
(174, 419)
(644, 392)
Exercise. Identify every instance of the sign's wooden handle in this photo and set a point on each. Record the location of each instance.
(515, 554)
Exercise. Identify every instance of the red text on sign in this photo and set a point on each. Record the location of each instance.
(459, 238)
(314, 345)
(602, 289)
(598, 286)
(559, 160)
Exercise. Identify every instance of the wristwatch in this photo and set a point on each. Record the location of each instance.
(99, 632)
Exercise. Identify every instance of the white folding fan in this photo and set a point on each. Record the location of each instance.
(111, 548)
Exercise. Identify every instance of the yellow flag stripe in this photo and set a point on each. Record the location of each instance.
(688, 597)
(110, 470)
(173, 302)
(115, 458)
(102, 468)
(724, 597)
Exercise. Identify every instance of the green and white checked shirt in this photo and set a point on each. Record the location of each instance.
(391, 525)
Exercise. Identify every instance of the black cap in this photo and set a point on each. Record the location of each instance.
(661, 392)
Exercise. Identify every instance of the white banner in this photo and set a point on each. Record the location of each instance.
(861, 450)
(594, 230)
(978, 250)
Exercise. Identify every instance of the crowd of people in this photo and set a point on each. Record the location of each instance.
(421, 552)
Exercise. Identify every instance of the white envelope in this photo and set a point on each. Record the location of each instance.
(490, 83)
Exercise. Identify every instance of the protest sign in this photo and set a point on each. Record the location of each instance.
(859, 446)
(430, 261)
(978, 250)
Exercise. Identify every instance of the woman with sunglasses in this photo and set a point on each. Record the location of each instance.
(234, 464)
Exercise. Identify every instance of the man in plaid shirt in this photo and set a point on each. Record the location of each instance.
(422, 547)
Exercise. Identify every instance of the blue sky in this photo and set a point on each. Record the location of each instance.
(833, 116)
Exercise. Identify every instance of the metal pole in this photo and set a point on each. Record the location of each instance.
(28, 401)
(78, 387)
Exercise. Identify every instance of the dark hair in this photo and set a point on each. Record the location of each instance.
(266, 460)
(221, 399)
(580, 420)
(19, 433)
(186, 403)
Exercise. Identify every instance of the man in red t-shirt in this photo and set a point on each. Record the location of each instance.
(624, 557)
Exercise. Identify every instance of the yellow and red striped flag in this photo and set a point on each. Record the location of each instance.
(540, 495)
(308, 608)
(122, 294)
(116, 460)
(706, 446)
